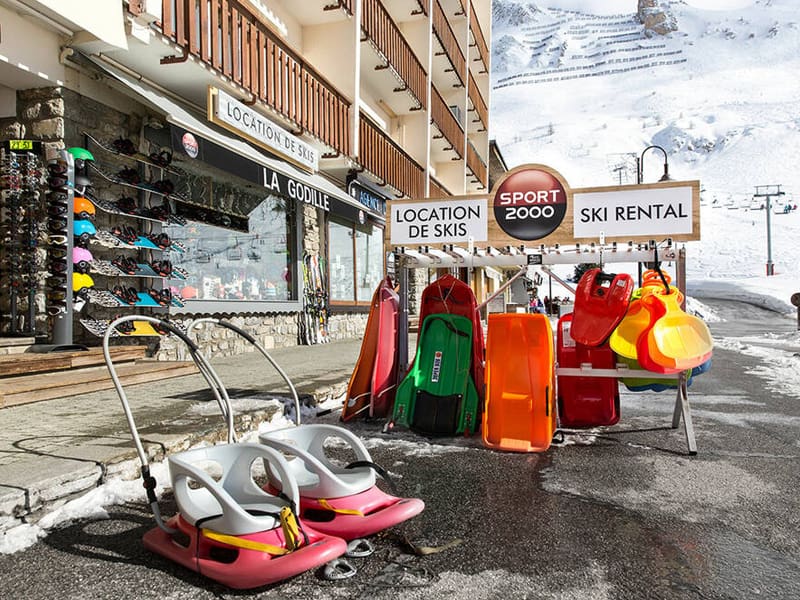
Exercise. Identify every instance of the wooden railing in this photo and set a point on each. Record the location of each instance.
(480, 40)
(238, 44)
(382, 31)
(437, 190)
(478, 102)
(446, 122)
(443, 31)
(476, 165)
(382, 157)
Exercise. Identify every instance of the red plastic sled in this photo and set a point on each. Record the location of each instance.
(601, 301)
(233, 563)
(585, 401)
(453, 296)
(374, 380)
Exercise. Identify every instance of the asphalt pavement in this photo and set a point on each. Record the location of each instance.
(611, 513)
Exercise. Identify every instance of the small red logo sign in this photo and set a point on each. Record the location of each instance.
(530, 204)
(190, 145)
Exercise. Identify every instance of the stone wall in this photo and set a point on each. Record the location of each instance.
(273, 330)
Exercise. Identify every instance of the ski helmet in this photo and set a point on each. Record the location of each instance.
(81, 281)
(82, 181)
(83, 208)
(83, 227)
(80, 154)
(188, 292)
(81, 254)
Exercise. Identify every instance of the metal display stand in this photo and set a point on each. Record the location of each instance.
(63, 320)
(22, 184)
(451, 257)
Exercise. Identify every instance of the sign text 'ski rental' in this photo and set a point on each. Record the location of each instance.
(535, 203)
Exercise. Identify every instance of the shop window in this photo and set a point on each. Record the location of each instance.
(225, 264)
(356, 261)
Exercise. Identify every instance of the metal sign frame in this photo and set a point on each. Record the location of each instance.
(452, 257)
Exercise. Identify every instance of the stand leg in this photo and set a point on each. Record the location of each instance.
(676, 412)
(402, 324)
(682, 408)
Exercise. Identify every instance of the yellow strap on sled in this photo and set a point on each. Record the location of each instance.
(291, 533)
(232, 540)
(342, 511)
(291, 530)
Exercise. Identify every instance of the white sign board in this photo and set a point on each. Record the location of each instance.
(442, 222)
(241, 119)
(637, 212)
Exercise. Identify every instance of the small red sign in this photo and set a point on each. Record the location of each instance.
(190, 145)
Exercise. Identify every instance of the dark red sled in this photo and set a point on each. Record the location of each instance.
(585, 401)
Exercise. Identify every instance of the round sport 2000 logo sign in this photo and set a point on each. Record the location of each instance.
(530, 203)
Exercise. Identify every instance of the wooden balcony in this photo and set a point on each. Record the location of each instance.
(437, 190)
(481, 117)
(478, 39)
(382, 32)
(381, 156)
(452, 49)
(477, 166)
(237, 43)
(446, 122)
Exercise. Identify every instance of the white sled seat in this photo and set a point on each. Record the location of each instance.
(314, 472)
(234, 504)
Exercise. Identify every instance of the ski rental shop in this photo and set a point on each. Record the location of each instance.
(257, 237)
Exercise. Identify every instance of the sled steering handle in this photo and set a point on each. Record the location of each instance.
(205, 368)
(609, 277)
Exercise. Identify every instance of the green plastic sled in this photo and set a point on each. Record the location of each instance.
(437, 396)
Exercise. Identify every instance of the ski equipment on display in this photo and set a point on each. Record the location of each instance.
(315, 301)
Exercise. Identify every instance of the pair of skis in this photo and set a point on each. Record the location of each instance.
(314, 321)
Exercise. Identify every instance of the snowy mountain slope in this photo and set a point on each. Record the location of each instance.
(720, 95)
(717, 93)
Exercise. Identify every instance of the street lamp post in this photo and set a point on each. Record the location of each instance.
(640, 164)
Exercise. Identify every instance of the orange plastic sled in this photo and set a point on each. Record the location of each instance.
(370, 392)
(675, 341)
(520, 411)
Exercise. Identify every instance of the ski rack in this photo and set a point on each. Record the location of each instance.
(453, 257)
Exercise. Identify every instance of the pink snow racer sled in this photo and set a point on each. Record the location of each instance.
(338, 500)
(229, 529)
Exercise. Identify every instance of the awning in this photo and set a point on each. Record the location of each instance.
(273, 169)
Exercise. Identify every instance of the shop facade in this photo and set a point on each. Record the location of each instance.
(251, 225)
(286, 238)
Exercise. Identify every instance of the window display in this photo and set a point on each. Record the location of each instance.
(356, 261)
(233, 265)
